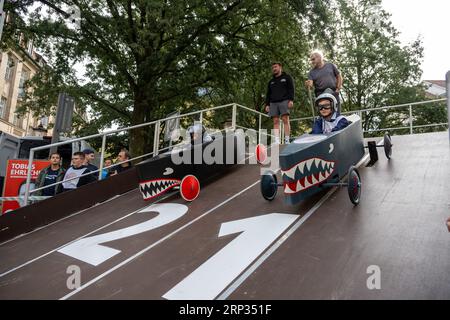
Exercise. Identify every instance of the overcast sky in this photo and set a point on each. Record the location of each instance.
(430, 19)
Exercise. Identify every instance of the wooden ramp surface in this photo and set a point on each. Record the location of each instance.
(232, 244)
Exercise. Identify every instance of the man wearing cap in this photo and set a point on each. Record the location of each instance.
(279, 99)
(89, 156)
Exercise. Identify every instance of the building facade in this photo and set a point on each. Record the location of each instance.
(16, 67)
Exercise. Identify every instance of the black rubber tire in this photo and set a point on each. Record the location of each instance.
(354, 185)
(387, 146)
(269, 187)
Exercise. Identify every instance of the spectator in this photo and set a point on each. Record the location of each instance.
(279, 99)
(50, 175)
(324, 75)
(75, 171)
(106, 172)
(124, 155)
(89, 156)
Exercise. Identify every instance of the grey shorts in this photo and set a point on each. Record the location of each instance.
(278, 109)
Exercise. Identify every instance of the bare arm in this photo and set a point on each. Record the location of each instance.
(339, 82)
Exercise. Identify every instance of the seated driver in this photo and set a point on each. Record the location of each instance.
(198, 134)
(330, 120)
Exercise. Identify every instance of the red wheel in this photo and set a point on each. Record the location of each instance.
(261, 153)
(190, 188)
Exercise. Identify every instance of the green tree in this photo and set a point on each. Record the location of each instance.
(377, 69)
(145, 58)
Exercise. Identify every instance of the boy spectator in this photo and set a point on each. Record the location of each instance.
(107, 171)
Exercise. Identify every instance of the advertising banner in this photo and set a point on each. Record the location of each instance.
(15, 180)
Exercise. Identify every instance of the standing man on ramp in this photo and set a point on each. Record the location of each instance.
(279, 99)
(323, 76)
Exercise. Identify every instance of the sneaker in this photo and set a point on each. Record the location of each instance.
(287, 140)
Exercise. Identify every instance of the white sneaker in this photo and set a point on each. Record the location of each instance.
(287, 140)
(277, 141)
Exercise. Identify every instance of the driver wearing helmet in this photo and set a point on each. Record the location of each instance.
(198, 134)
(330, 120)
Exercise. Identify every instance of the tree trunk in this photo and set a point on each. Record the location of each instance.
(138, 137)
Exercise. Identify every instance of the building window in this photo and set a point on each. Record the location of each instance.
(3, 102)
(18, 122)
(30, 48)
(9, 69)
(23, 78)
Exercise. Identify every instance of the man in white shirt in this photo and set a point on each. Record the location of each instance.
(77, 173)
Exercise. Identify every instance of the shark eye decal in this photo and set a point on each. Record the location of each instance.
(307, 174)
(331, 148)
(168, 172)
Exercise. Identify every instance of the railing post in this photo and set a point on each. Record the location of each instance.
(447, 77)
(281, 133)
(233, 117)
(156, 139)
(27, 185)
(201, 117)
(410, 120)
(102, 157)
(259, 128)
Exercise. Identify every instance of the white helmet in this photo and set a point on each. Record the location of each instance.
(328, 96)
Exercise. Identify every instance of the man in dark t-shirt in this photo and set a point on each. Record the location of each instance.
(280, 100)
(124, 163)
(50, 178)
(50, 175)
(323, 76)
(89, 156)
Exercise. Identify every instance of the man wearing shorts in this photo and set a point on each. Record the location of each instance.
(279, 99)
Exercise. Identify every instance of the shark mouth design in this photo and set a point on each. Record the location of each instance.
(153, 188)
(306, 174)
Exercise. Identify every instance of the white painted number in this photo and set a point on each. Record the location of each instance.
(90, 251)
(213, 276)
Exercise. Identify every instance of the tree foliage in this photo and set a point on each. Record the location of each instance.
(142, 59)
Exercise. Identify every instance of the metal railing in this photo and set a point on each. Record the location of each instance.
(410, 106)
(156, 142)
(234, 119)
(447, 79)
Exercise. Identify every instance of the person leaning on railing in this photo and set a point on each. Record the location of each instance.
(110, 169)
(124, 162)
(89, 156)
(75, 173)
(50, 175)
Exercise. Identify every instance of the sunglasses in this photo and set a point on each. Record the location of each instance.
(324, 106)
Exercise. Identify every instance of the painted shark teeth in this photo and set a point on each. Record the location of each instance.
(309, 179)
(151, 189)
(305, 167)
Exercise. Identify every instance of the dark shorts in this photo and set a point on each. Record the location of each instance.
(278, 109)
